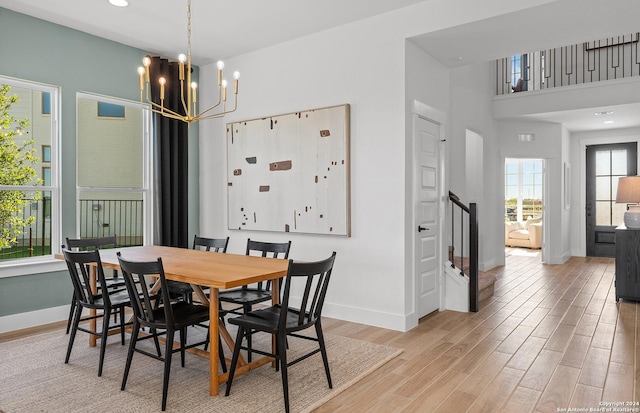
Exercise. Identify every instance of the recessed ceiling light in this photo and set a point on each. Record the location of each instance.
(119, 3)
(608, 121)
(608, 112)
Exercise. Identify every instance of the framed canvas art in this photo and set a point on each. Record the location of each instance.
(290, 173)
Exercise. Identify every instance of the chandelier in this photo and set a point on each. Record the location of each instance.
(189, 103)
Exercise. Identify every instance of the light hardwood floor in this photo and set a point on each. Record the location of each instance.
(552, 337)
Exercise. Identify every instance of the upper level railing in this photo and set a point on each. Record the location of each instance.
(606, 59)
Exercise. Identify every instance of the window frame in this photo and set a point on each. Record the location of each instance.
(43, 263)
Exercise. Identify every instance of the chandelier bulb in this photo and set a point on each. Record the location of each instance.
(146, 61)
(182, 58)
(140, 70)
(236, 75)
(220, 65)
(162, 81)
(194, 85)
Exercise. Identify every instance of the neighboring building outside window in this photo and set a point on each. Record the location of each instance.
(113, 188)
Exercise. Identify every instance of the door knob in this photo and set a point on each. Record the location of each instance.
(421, 228)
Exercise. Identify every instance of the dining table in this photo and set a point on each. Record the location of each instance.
(215, 271)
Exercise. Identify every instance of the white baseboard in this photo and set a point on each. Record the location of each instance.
(365, 316)
(33, 318)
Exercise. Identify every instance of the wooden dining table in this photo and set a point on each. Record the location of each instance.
(215, 271)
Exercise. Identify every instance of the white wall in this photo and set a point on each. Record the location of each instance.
(471, 94)
(367, 65)
(317, 71)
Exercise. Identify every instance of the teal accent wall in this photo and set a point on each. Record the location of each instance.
(39, 51)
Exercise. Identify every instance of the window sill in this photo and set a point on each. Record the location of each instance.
(30, 266)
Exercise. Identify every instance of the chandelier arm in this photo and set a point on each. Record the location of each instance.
(162, 109)
(184, 105)
(209, 109)
(217, 115)
(171, 115)
(220, 114)
(214, 106)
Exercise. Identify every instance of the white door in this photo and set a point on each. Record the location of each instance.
(427, 226)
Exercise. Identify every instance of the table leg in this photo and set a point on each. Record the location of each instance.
(275, 299)
(213, 342)
(93, 325)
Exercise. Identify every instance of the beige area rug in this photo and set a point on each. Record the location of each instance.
(34, 378)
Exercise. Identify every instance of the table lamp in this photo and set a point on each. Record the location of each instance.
(629, 193)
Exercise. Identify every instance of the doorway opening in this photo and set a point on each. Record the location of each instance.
(524, 203)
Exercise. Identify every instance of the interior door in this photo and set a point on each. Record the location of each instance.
(427, 229)
(605, 165)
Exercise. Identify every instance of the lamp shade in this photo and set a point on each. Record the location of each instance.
(628, 190)
(629, 193)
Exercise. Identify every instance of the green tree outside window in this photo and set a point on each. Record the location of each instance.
(16, 169)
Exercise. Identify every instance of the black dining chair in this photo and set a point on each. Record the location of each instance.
(89, 244)
(184, 290)
(245, 297)
(282, 320)
(171, 317)
(109, 302)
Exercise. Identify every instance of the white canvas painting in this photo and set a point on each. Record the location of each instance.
(290, 173)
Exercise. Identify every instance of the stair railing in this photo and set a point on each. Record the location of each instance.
(468, 214)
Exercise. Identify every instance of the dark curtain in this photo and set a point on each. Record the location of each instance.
(170, 143)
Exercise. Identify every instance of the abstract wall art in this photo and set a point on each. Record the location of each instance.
(290, 173)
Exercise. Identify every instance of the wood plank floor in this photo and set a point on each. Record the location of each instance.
(552, 337)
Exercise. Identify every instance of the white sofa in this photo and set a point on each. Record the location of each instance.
(523, 234)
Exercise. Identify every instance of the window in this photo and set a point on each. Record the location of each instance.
(516, 68)
(523, 189)
(611, 165)
(520, 70)
(46, 103)
(31, 232)
(113, 192)
(109, 110)
(46, 153)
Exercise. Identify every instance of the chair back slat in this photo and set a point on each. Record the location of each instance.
(79, 264)
(217, 244)
(135, 273)
(87, 244)
(270, 250)
(315, 276)
(90, 244)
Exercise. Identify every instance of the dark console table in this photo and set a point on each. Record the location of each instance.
(627, 280)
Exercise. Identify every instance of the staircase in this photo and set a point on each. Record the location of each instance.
(465, 285)
(486, 281)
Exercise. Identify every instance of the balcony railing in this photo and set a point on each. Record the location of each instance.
(607, 59)
(98, 218)
(104, 217)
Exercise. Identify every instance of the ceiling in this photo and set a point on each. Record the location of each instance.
(237, 27)
(230, 27)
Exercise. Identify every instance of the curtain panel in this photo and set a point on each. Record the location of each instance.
(170, 163)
